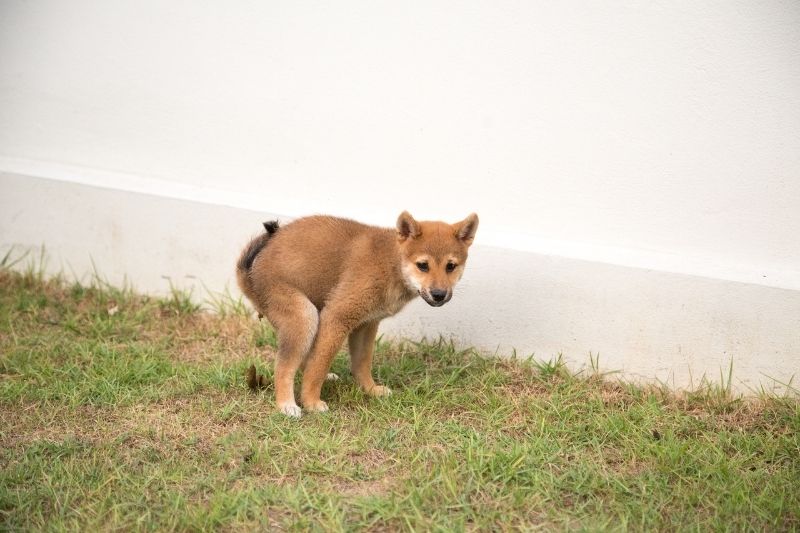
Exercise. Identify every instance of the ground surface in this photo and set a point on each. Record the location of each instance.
(123, 412)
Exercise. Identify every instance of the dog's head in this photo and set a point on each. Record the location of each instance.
(434, 254)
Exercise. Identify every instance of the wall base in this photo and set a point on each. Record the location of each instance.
(648, 325)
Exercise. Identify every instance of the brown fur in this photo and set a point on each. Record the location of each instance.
(321, 280)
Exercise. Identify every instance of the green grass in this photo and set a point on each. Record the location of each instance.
(125, 412)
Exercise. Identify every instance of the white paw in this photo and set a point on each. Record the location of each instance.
(291, 409)
(380, 390)
(318, 407)
(332, 377)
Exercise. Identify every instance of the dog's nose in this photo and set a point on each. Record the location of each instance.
(438, 295)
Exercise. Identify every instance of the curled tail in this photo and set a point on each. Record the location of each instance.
(249, 255)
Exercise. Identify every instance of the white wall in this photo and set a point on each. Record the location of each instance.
(658, 135)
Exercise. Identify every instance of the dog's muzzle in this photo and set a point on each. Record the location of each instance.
(436, 297)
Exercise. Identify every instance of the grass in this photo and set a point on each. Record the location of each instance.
(122, 412)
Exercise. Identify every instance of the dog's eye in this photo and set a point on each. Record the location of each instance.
(423, 266)
(450, 267)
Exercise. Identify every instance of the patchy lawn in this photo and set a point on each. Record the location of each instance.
(125, 412)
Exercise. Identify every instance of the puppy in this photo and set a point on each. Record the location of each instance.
(320, 280)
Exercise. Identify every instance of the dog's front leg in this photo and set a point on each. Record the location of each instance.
(330, 336)
(362, 348)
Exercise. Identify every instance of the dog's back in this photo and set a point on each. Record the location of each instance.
(311, 254)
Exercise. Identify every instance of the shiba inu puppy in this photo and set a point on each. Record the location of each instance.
(320, 280)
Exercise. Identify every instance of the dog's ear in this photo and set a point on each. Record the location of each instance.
(407, 227)
(465, 230)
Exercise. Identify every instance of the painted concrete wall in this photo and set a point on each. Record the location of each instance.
(647, 325)
(662, 138)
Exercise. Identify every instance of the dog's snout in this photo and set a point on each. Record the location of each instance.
(438, 295)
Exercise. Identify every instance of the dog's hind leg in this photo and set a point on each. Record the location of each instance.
(296, 320)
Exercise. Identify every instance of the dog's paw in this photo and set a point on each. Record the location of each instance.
(318, 407)
(380, 390)
(332, 377)
(291, 409)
